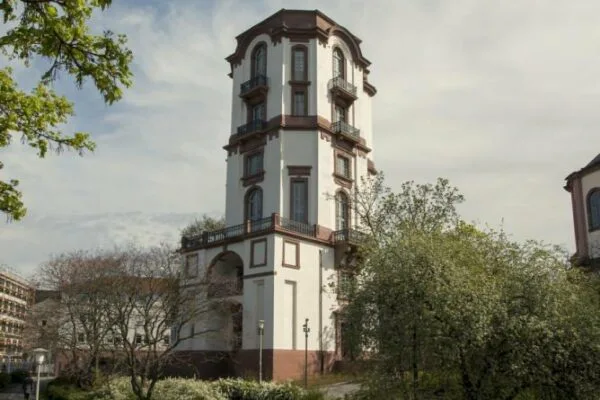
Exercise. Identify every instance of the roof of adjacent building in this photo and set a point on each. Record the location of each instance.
(590, 167)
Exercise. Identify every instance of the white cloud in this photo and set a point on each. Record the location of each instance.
(497, 96)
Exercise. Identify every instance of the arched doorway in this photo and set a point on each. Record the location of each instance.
(225, 277)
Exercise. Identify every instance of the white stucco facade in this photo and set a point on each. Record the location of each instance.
(287, 258)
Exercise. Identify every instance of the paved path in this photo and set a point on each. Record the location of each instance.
(338, 390)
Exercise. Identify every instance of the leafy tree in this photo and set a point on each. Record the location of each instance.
(58, 31)
(445, 309)
(204, 224)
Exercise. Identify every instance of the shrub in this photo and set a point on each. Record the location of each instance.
(18, 376)
(65, 392)
(238, 389)
(4, 379)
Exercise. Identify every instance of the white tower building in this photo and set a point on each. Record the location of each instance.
(301, 133)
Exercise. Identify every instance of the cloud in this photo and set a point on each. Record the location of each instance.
(499, 97)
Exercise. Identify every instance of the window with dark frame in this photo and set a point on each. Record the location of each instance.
(340, 114)
(342, 211)
(254, 204)
(594, 209)
(257, 112)
(299, 105)
(342, 166)
(299, 72)
(299, 200)
(259, 60)
(338, 64)
(254, 164)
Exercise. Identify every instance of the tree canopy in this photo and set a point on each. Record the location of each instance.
(443, 308)
(56, 31)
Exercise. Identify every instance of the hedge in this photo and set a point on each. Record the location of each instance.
(189, 389)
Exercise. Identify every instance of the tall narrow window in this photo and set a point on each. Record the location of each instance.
(594, 209)
(338, 64)
(299, 103)
(342, 211)
(299, 200)
(342, 166)
(254, 164)
(254, 204)
(259, 60)
(299, 72)
(258, 112)
(340, 114)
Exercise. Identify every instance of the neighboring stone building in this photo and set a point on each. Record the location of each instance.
(301, 129)
(584, 186)
(16, 297)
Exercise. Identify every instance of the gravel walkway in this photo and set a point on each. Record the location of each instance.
(338, 390)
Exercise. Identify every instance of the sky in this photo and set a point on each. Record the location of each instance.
(501, 98)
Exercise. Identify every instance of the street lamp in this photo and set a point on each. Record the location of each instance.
(261, 333)
(306, 330)
(39, 357)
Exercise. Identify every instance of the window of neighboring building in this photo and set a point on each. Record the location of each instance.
(299, 200)
(299, 102)
(299, 62)
(346, 283)
(342, 211)
(342, 166)
(81, 338)
(254, 204)
(594, 209)
(338, 64)
(254, 164)
(138, 339)
(259, 60)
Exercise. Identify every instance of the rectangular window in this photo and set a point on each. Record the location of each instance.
(343, 166)
(299, 200)
(299, 73)
(258, 112)
(299, 103)
(340, 114)
(254, 164)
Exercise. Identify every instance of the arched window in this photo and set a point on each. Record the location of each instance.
(254, 204)
(342, 211)
(259, 60)
(338, 64)
(593, 200)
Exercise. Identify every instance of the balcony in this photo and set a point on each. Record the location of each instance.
(254, 88)
(256, 125)
(346, 130)
(346, 243)
(342, 90)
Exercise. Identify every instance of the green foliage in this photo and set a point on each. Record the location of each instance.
(473, 314)
(56, 31)
(4, 379)
(18, 376)
(188, 389)
(206, 223)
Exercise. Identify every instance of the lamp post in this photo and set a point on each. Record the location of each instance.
(306, 330)
(261, 332)
(39, 357)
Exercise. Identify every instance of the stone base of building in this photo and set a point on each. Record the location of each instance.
(278, 365)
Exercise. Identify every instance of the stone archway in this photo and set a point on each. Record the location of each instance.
(225, 277)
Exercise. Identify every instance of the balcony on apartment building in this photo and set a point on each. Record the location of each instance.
(342, 90)
(254, 88)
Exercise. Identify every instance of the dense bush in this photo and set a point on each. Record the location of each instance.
(18, 376)
(185, 389)
(4, 379)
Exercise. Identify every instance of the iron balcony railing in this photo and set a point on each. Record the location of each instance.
(296, 226)
(255, 125)
(345, 129)
(341, 83)
(249, 85)
(349, 235)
